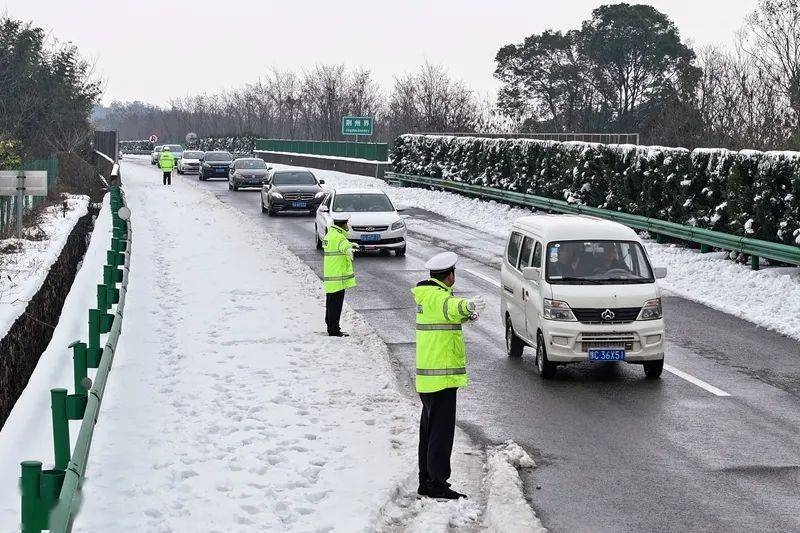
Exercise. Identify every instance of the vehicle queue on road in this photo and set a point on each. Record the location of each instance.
(573, 288)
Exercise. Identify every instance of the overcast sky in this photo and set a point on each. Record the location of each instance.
(152, 50)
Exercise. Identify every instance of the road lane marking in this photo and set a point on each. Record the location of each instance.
(697, 381)
(483, 277)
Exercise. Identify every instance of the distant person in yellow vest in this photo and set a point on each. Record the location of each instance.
(166, 162)
(441, 370)
(337, 271)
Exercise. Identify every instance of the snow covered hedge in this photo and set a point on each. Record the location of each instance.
(238, 144)
(749, 193)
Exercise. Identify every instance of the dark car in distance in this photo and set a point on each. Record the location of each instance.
(247, 172)
(215, 165)
(291, 190)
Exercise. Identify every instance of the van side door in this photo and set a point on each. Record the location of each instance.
(532, 292)
(512, 281)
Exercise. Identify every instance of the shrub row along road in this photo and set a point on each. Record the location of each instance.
(712, 446)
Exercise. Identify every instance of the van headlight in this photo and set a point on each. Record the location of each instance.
(398, 225)
(557, 310)
(651, 310)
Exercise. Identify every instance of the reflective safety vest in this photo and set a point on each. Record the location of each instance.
(337, 267)
(441, 353)
(166, 161)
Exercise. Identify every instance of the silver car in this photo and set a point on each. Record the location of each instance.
(247, 172)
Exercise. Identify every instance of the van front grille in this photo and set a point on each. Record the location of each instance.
(604, 315)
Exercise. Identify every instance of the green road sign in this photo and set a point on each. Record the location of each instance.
(357, 125)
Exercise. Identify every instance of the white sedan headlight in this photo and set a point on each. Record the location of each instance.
(277, 195)
(557, 310)
(320, 194)
(398, 225)
(651, 310)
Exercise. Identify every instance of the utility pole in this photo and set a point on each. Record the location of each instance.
(20, 200)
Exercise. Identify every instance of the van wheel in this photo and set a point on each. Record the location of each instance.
(319, 242)
(546, 369)
(263, 209)
(653, 369)
(400, 252)
(514, 345)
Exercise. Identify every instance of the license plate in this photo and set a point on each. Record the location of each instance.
(606, 355)
(220, 170)
(299, 204)
(371, 237)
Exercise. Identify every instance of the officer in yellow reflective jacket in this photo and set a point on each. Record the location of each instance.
(337, 271)
(166, 162)
(441, 368)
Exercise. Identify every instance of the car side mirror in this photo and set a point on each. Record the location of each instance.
(269, 167)
(660, 272)
(322, 182)
(323, 209)
(531, 273)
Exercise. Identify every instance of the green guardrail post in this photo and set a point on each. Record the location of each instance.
(102, 298)
(754, 262)
(79, 365)
(93, 351)
(33, 517)
(704, 248)
(50, 485)
(58, 405)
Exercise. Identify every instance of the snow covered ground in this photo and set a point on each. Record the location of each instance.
(23, 270)
(27, 434)
(769, 297)
(229, 409)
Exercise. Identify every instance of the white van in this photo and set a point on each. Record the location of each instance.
(580, 288)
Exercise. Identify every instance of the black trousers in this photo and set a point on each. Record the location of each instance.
(167, 177)
(437, 426)
(333, 311)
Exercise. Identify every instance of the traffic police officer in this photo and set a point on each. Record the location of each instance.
(337, 271)
(441, 369)
(166, 162)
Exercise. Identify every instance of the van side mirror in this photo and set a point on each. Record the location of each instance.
(322, 182)
(660, 272)
(323, 209)
(531, 273)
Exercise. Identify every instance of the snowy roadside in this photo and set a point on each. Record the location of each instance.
(769, 297)
(229, 409)
(25, 263)
(27, 433)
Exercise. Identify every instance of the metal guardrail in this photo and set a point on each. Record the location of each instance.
(755, 248)
(49, 497)
(8, 205)
(370, 151)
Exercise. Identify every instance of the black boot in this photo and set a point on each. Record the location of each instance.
(441, 491)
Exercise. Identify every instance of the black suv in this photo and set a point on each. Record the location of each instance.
(215, 165)
(291, 190)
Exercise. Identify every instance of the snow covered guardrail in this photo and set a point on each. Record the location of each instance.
(49, 496)
(706, 238)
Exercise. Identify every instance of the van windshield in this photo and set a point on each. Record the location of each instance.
(597, 262)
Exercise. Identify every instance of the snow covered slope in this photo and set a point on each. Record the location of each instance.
(229, 409)
(27, 433)
(23, 271)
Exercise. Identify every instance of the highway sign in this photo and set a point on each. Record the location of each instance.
(357, 125)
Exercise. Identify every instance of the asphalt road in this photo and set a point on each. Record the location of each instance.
(616, 452)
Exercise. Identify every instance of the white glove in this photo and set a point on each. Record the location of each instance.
(476, 305)
(351, 252)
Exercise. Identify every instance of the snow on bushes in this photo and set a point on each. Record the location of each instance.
(748, 193)
(237, 144)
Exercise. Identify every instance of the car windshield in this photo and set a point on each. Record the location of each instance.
(174, 147)
(294, 178)
(251, 163)
(192, 155)
(218, 156)
(156, 148)
(597, 262)
(362, 203)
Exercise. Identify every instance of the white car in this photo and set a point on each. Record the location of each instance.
(374, 222)
(189, 163)
(581, 288)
